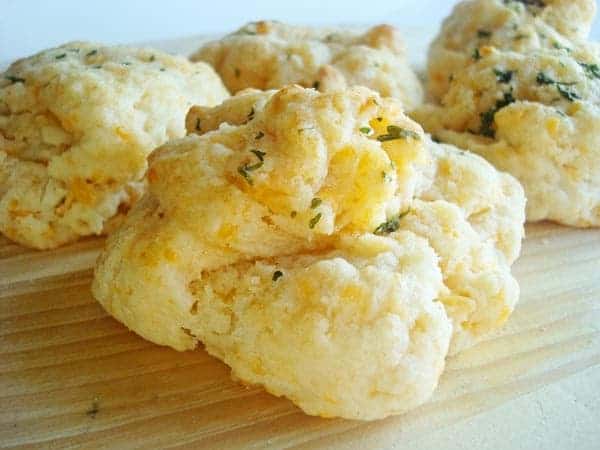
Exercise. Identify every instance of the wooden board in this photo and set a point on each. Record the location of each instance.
(72, 376)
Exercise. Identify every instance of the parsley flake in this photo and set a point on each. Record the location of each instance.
(245, 169)
(487, 118)
(476, 55)
(91, 52)
(365, 130)
(557, 46)
(591, 70)
(562, 87)
(566, 93)
(395, 132)
(277, 275)
(259, 135)
(314, 221)
(390, 225)
(315, 202)
(484, 33)
(503, 76)
(14, 79)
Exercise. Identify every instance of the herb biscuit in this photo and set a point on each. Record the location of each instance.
(321, 246)
(533, 112)
(76, 125)
(271, 55)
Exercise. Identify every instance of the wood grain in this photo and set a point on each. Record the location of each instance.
(70, 376)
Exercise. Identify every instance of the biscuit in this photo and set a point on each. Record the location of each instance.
(533, 114)
(76, 125)
(506, 25)
(270, 55)
(311, 241)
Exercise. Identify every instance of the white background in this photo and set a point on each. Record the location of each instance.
(27, 26)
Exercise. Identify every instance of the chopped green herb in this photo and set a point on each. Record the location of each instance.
(365, 130)
(198, 124)
(504, 76)
(162, 69)
(394, 132)
(126, 63)
(314, 221)
(487, 118)
(561, 87)
(476, 55)
(152, 58)
(316, 85)
(315, 202)
(91, 53)
(542, 78)
(591, 70)
(391, 225)
(557, 46)
(520, 36)
(260, 155)
(61, 56)
(538, 3)
(259, 135)
(251, 114)
(484, 33)
(97, 66)
(566, 93)
(386, 177)
(293, 214)
(277, 275)
(245, 169)
(14, 79)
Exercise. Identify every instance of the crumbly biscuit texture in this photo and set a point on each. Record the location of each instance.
(76, 125)
(532, 112)
(318, 244)
(270, 55)
(510, 25)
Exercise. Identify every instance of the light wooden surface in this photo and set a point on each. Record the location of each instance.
(72, 376)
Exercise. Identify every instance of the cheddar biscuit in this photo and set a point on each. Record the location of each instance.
(76, 125)
(313, 243)
(271, 55)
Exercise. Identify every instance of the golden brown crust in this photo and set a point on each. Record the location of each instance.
(270, 55)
